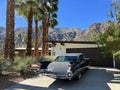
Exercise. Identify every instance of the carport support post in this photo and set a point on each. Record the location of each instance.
(114, 61)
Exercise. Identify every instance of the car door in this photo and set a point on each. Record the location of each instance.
(75, 65)
(79, 65)
(82, 61)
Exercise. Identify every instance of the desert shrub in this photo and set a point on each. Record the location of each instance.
(21, 63)
(1, 65)
(117, 59)
(4, 65)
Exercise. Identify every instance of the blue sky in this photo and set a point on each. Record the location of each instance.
(71, 14)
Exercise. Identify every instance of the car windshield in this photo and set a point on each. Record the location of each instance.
(66, 58)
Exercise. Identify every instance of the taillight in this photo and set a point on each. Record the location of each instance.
(69, 66)
(38, 64)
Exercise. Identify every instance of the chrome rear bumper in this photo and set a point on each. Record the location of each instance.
(59, 74)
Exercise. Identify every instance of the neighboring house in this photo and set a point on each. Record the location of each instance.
(22, 51)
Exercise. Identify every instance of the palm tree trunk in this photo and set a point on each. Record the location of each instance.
(6, 48)
(44, 31)
(36, 39)
(44, 37)
(9, 42)
(12, 45)
(29, 35)
(47, 47)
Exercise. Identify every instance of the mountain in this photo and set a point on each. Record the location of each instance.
(64, 34)
(75, 34)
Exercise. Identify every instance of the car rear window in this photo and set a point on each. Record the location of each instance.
(66, 58)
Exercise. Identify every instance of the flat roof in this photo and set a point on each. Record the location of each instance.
(77, 42)
(23, 48)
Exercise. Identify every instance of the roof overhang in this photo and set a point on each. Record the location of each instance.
(74, 42)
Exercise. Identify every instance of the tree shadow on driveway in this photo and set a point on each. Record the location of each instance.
(93, 79)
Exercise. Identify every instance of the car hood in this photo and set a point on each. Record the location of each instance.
(58, 66)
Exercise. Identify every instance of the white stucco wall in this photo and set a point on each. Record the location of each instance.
(58, 50)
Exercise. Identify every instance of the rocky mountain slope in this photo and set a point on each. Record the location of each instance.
(75, 34)
(65, 34)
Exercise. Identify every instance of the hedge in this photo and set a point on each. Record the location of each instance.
(117, 59)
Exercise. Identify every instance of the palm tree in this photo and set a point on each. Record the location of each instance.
(43, 37)
(36, 38)
(9, 41)
(49, 20)
(38, 12)
(29, 37)
(52, 22)
(43, 11)
(25, 8)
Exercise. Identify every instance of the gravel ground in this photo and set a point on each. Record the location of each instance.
(8, 79)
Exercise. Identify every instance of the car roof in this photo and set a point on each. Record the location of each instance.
(72, 54)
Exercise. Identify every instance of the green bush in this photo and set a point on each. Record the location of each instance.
(4, 66)
(117, 59)
(21, 63)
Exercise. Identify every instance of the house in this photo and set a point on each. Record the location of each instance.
(89, 48)
(61, 47)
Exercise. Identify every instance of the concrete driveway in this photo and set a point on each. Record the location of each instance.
(94, 79)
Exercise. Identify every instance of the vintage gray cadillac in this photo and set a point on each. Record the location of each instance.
(68, 66)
